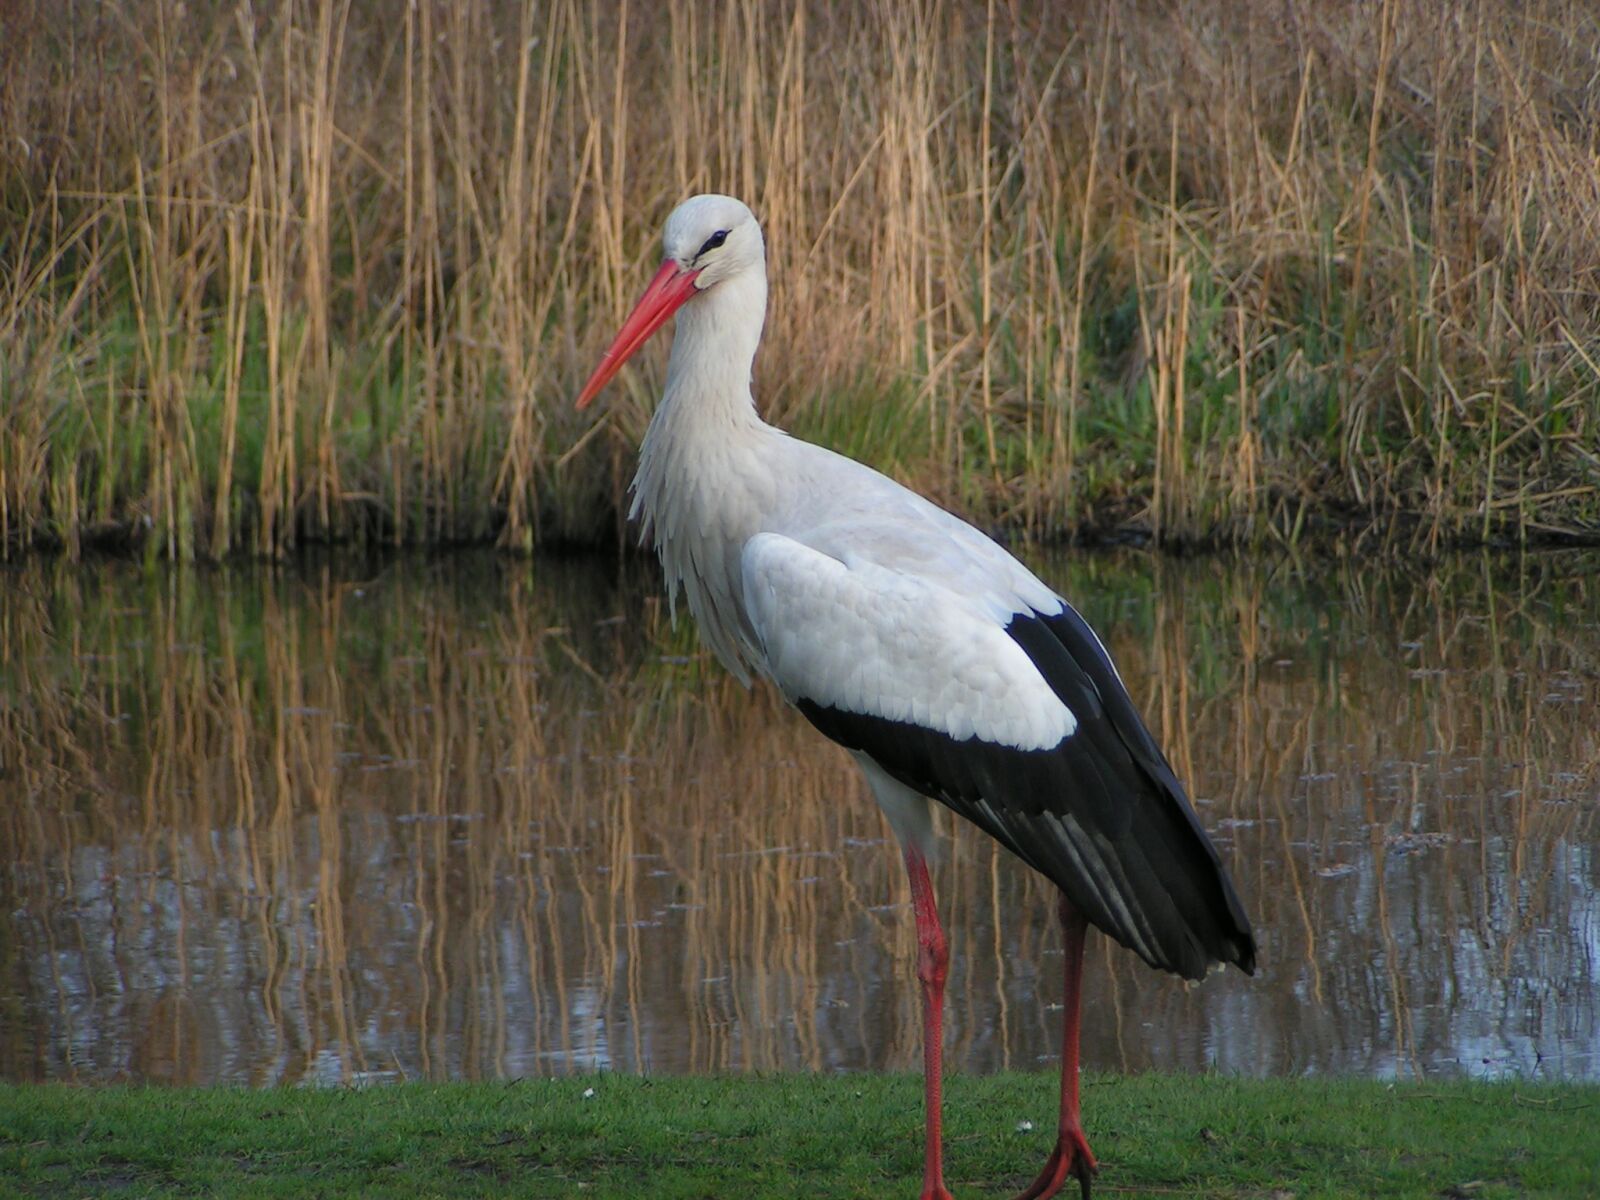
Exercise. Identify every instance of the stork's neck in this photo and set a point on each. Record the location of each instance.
(713, 352)
(702, 487)
(706, 423)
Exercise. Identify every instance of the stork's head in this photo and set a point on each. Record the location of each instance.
(714, 237)
(708, 239)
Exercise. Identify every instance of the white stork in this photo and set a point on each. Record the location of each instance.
(935, 657)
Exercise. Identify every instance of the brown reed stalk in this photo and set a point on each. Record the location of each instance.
(1354, 421)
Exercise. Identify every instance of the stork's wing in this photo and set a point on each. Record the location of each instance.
(1015, 719)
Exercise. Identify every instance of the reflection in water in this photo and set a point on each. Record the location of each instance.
(482, 818)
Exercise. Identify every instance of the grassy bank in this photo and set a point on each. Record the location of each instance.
(615, 1136)
(332, 270)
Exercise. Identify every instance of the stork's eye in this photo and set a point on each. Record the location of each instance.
(712, 242)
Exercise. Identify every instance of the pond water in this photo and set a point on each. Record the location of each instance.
(477, 817)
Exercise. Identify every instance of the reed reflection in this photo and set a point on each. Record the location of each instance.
(485, 818)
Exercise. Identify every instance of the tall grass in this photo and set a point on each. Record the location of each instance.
(297, 270)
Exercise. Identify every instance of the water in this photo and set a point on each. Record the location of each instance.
(477, 817)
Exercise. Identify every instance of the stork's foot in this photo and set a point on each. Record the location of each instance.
(1070, 1157)
(939, 1192)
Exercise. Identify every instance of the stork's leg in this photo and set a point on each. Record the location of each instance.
(1071, 1155)
(933, 958)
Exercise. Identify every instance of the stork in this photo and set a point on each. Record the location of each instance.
(945, 666)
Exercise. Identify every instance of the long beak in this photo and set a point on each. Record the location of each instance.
(665, 295)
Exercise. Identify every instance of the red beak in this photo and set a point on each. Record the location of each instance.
(665, 295)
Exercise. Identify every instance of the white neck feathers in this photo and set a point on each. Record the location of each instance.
(700, 491)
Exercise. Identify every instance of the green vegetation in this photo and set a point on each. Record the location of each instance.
(333, 271)
(817, 1136)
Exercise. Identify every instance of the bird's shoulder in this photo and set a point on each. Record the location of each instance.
(892, 537)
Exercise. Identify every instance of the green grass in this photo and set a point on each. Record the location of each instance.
(817, 1136)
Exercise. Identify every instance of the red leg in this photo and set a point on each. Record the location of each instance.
(933, 957)
(1071, 1155)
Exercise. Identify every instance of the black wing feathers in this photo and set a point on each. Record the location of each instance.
(1101, 814)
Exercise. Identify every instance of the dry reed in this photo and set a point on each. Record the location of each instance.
(329, 269)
